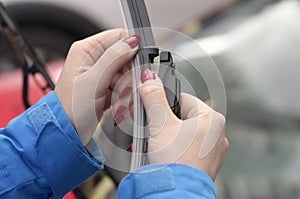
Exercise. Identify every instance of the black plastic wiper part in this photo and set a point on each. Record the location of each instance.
(32, 63)
(137, 22)
(171, 83)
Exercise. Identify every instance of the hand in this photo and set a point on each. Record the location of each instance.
(197, 139)
(92, 68)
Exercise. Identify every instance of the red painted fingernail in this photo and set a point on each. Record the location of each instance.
(147, 74)
(132, 40)
(119, 120)
(125, 91)
(119, 111)
(129, 149)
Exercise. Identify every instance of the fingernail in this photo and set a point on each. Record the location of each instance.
(147, 74)
(132, 40)
(129, 148)
(119, 111)
(119, 120)
(125, 91)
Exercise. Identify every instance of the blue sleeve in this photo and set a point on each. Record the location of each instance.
(42, 155)
(167, 181)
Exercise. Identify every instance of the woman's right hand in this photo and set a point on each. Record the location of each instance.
(197, 139)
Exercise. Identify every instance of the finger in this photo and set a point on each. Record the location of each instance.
(108, 100)
(103, 38)
(215, 131)
(191, 106)
(124, 86)
(122, 82)
(114, 81)
(112, 60)
(121, 109)
(131, 110)
(127, 67)
(226, 145)
(89, 50)
(154, 99)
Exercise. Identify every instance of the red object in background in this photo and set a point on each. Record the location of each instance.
(70, 195)
(129, 149)
(11, 85)
(11, 103)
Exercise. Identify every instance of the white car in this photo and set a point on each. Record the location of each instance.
(51, 22)
(107, 14)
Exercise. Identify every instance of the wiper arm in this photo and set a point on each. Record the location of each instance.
(32, 63)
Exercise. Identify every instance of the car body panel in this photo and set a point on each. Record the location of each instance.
(11, 104)
(107, 13)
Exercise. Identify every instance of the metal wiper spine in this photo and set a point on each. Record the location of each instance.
(137, 22)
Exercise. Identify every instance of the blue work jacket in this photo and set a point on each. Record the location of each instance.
(42, 157)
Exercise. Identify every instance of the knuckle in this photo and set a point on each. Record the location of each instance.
(115, 55)
(226, 144)
(112, 53)
(152, 90)
(208, 115)
(76, 47)
(220, 118)
(118, 50)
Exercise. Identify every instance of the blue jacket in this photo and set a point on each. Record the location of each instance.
(43, 157)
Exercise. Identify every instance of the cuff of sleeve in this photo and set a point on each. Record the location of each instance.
(61, 154)
(167, 181)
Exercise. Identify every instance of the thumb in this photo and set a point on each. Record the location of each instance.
(191, 106)
(154, 99)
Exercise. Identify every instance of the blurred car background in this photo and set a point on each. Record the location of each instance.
(255, 45)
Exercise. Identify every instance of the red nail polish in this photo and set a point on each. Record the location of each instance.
(132, 40)
(125, 91)
(119, 111)
(147, 74)
(119, 120)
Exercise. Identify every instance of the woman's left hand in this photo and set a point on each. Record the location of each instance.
(92, 68)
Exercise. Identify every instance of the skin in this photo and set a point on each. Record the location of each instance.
(196, 139)
(89, 80)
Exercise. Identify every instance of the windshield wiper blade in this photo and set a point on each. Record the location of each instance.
(137, 21)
